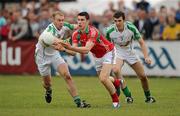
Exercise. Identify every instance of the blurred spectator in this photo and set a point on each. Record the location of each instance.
(163, 11)
(24, 9)
(108, 14)
(172, 30)
(103, 25)
(153, 17)
(33, 25)
(2, 18)
(4, 24)
(44, 20)
(178, 13)
(111, 7)
(144, 25)
(158, 29)
(122, 7)
(143, 4)
(19, 27)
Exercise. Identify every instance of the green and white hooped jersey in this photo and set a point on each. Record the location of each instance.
(56, 33)
(123, 40)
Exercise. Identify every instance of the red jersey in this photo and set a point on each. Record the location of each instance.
(101, 44)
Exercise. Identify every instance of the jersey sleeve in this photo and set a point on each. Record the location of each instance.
(74, 37)
(69, 26)
(133, 28)
(109, 30)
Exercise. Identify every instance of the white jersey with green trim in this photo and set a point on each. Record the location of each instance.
(123, 40)
(44, 50)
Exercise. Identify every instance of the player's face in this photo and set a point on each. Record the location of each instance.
(58, 21)
(119, 22)
(82, 22)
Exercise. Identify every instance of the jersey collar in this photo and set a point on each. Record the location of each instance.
(117, 28)
(86, 30)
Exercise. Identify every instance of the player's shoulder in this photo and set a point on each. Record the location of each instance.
(111, 28)
(92, 29)
(129, 25)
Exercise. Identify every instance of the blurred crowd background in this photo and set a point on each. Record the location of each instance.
(26, 19)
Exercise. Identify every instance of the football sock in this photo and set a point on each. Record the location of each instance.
(114, 97)
(147, 93)
(77, 100)
(116, 83)
(48, 89)
(126, 92)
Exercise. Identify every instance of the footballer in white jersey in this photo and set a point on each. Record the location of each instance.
(124, 41)
(122, 33)
(47, 56)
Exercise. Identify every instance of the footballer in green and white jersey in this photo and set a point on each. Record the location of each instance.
(124, 41)
(50, 33)
(123, 33)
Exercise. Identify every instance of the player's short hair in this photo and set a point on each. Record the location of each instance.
(119, 14)
(84, 14)
(57, 13)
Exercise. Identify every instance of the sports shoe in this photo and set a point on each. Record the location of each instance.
(116, 105)
(129, 100)
(48, 96)
(83, 104)
(150, 100)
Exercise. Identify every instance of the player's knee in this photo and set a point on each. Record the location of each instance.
(67, 76)
(102, 79)
(116, 69)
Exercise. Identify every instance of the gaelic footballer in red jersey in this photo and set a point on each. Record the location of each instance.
(88, 38)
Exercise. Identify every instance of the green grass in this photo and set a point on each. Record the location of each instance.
(24, 96)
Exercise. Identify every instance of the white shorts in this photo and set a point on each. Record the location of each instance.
(108, 58)
(128, 56)
(45, 62)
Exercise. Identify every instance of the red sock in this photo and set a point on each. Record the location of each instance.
(116, 83)
(115, 97)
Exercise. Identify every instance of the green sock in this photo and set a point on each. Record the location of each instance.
(77, 100)
(147, 93)
(126, 92)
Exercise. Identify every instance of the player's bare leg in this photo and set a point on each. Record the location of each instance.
(64, 71)
(47, 86)
(138, 68)
(104, 78)
(118, 77)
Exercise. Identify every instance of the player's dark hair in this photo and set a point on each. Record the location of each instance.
(119, 14)
(84, 14)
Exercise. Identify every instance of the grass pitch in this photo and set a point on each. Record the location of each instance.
(24, 96)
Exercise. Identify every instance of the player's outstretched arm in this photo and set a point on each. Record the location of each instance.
(144, 51)
(82, 50)
(58, 46)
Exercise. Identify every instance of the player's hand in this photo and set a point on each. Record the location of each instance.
(148, 60)
(58, 46)
(66, 44)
